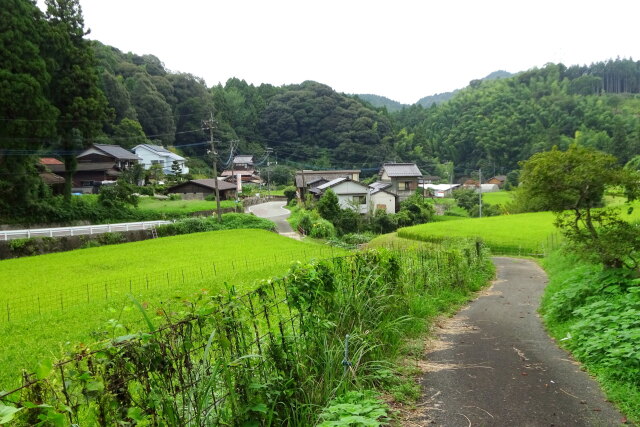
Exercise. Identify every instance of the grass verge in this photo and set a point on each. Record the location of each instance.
(595, 314)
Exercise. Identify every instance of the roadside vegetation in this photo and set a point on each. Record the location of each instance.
(594, 312)
(53, 302)
(327, 351)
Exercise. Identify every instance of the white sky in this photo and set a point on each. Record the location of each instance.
(401, 49)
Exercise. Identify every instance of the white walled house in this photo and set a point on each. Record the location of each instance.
(382, 200)
(351, 194)
(155, 154)
(357, 196)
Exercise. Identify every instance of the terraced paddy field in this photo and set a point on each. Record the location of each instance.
(52, 302)
(520, 234)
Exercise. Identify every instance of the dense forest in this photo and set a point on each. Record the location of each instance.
(60, 92)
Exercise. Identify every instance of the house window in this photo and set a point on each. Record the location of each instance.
(359, 200)
(156, 162)
(404, 185)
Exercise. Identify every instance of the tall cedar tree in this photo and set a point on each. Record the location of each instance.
(26, 115)
(74, 85)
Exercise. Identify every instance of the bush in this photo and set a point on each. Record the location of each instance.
(174, 196)
(305, 223)
(290, 193)
(322, 229)
(202, 224)
(381, 222)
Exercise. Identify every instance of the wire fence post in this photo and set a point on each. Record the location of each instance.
(8, 313)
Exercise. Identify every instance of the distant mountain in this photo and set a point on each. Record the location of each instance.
(439, 98)
(382, 101)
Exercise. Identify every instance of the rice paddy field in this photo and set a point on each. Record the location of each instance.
(53, 302)
(519, 234)
(500, 198)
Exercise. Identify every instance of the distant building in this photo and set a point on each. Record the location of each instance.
(404, 178)
(499, 180)
(244, 166)
(155, 154)
(441, 190)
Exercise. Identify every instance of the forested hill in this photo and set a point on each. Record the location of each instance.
(439, 98)
(494, 124)
(308, 124)
(382, 101)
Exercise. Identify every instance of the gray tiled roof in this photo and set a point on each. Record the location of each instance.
(311, 176)
(401, 169)
(331, 183)
(209, 183)
(117, 152)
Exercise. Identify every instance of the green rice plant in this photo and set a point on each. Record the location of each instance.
(53, 301)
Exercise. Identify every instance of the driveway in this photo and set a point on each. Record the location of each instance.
(493, 364)
(275, 212)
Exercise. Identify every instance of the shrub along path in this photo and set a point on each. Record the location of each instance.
(494, 364)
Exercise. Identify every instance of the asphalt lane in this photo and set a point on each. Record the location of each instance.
(493, 364)
(275, 212)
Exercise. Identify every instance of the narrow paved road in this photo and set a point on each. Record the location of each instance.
(494, 365)
(275, 212)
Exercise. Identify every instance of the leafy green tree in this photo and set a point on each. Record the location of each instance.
(328, 206)
(74, 82)
(155, 174)
(571, 183)
(128, 133)
(118, 195)
(466, 198)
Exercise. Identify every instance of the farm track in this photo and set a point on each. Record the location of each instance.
(494, 364)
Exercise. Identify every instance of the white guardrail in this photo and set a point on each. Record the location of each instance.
(79, 231)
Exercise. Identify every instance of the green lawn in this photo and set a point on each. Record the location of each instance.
(180, 206)
(52, 302)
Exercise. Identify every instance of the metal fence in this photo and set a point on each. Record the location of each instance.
(79, 230)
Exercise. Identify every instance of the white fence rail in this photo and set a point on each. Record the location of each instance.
(80, 230)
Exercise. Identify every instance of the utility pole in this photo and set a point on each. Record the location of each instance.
(210, 124)
(480, 191)
(269, 150)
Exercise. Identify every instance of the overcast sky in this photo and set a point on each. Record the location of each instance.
(400, 49)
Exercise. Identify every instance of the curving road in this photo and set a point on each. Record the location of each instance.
(275, 212)
(493, 364)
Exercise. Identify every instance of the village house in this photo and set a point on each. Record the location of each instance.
(403, 177)
(357, 196)
(244, 166)
(499, 180)
(199, 189)
(309, 179)
(98, 165)
(155, 154)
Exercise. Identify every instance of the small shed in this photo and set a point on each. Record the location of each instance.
(201, 188)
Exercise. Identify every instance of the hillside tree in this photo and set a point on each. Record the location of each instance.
(74, 88)
(571, 184)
